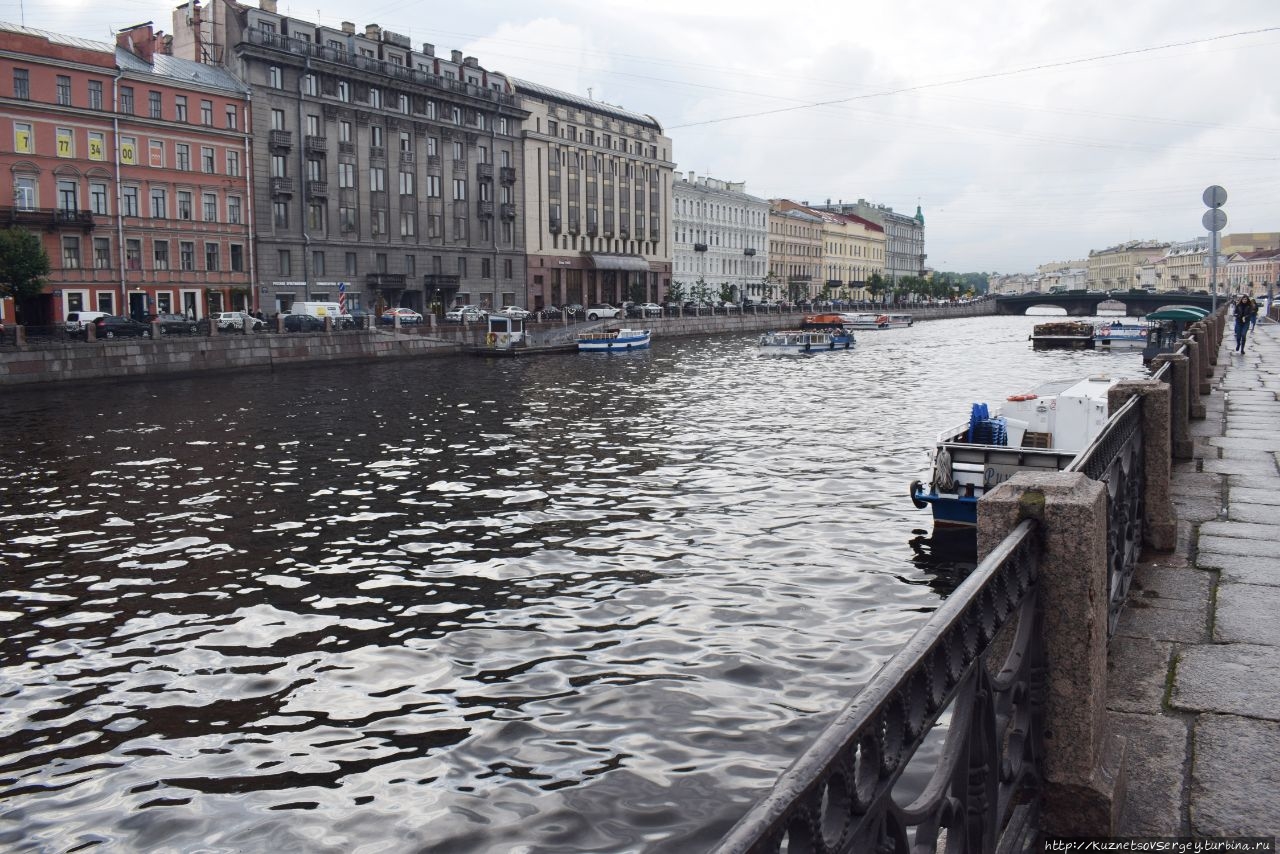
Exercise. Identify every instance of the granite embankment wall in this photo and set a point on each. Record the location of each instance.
(38, 363)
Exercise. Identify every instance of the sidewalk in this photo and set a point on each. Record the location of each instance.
(1194, 670)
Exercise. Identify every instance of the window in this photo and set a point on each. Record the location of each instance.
(431, 109)
(183, 156)
(459, 189)
(403, 103)
(285, 262)
(315, 217)
(275, 79)
(377, 179)
(98, 198)
(455, 113)
(347, 218)
(458, 153)
(64, 90)
(206, 159)
(375, 97)
(460, 227)
(23, 141)
(434, 226)
(317, 263)
(211, 257)
(155, 153)
(97, 145)
(206, 113)
(65, 142)
(233, 210)
(133, 253)
(482, 154)
(406, 183)
(502, 126)
(433, 186)
(279, 166)
(237, 258)
(159, 204)
(344, 90)
(462, 267)
(349, 263)
(129, 201)
(315, 170)
(280, 214)
(486, 269)
(375, 136)
(160, 252)
(313, 125)
(153, 105)
(187, 255)
(378, 221)
(380, 262)
(344, 131)
(410, 265)
(233, 163)
(68, 196)
(277, 119)
(231, 117)
(433, 146)
(346, 175)
(309, 84)
(180, 108)
(406, 141)
(21, 84)
(71, 253)
(102, 253)
(507, 269)
(126, 100)
(184, 204)
(408, 223)
(210, 206)
(129, 150)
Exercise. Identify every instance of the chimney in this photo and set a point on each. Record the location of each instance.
(139, 41)
(428, 49)
(471, 62)
(349, 28)
(693, 179)
(267, 6)
(456, 56)
(372, 31)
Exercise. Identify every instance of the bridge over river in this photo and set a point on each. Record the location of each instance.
(1135, 303)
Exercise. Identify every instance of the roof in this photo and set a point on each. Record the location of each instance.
(59, 38)
(180, 70)
(524, 87)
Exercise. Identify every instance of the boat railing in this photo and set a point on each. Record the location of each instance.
(979, 658)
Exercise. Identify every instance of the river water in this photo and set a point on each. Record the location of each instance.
(576, 603)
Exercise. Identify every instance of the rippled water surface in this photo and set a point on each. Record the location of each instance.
(579, 603)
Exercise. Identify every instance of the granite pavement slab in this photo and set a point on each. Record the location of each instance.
(1235, 776)
(1228, 678)
(1246, 614)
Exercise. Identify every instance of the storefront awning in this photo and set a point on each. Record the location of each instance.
(619, 262)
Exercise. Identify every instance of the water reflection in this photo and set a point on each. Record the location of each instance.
(556, 605)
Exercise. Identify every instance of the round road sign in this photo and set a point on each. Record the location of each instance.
(1215, 196)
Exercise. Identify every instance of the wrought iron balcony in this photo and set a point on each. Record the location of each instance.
(433, 161)
(318, 189)
(748, 251)
(282, 186)
(280, 139)
(406, 156)
(48, 218)
(507, 175)
(484, 171)
(484, 210)
(377, 152)
(553, 226)
(507, 210)
(316, 144)
(346, 147)
(385, 280)
(442, 281)
(699, 247)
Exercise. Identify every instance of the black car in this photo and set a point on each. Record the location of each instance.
(171, 324)
(303, 323)
(115, 326)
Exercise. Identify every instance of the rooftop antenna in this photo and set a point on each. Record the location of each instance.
(590, 95)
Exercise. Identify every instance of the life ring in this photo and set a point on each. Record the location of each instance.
(1017, 397)
(490, 338)
(917, 486)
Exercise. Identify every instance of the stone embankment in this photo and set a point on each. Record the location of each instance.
(25, 362)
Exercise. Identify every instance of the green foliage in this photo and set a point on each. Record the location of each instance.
(637, 292)
(23, 264)
(726, 292)
(676, 292)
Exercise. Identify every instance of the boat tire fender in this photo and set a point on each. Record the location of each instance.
(917, 486)
(490, 338)
(1017, 397)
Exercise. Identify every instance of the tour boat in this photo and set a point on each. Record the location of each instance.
(1117, 335)
(608, 340)
(897, 321)
(504, 333)
(865, 321)
(1069, 334)
(818, 333)
(1042, 430)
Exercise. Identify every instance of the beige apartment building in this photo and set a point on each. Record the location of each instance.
(1252, 273)
(851, 250)
(1116, 267)
(597, 201)
(1183, 266)
(795, 251)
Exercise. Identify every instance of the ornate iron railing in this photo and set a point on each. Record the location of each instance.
(1115, 458)
(984, 789)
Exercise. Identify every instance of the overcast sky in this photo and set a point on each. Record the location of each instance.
(1028, 132)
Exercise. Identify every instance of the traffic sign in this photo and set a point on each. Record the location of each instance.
(1215, 196)
(1214, 219)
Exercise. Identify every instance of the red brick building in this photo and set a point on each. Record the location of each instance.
(133, 166)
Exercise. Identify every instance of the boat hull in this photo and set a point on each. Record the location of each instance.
(803, 343)
(619, 340)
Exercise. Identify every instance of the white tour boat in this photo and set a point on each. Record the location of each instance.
(610, 340)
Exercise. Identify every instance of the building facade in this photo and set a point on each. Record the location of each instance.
(385, 176)
(795, 252)
(904, 236)
(1252, 273)
(1183, 268)
(851, 250)
(597, 201)
(1116, 267)
(720, 238)
(133, 167)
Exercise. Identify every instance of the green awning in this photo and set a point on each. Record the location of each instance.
(1178, 312)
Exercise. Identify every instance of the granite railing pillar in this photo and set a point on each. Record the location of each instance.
(1160, 525)
(1084, 760)
(1199, 381)
(1179, 402)
(279, 322)
(20, 336)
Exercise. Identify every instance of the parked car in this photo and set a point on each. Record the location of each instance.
(408, 317)
(238, 321)
(465, 314)
(114, 326)
(602, 311)
(77, 320)
(514, 311)
(651, 309)
(573, 309)
(303, 323)
(176, 323)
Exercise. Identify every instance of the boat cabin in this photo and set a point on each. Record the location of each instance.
(504, 332)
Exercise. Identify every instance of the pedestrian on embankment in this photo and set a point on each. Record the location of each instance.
(1242, 322)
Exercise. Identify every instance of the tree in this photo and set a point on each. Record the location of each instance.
(23, 265)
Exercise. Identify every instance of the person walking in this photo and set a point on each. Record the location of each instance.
(1242, 322)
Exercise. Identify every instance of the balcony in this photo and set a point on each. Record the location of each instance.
(574, 226)
(346, 148)
(280, 139)
(507, 175)
(748, 251)
(318, 189)
(377, 152)
(484, 171)
(384, 281)
(507, 210)
(441, 281)
(699, 247)
(484, 210)
(316, 144)
(47, 218)
(282, 186)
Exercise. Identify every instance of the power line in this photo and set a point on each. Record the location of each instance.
(977, 77)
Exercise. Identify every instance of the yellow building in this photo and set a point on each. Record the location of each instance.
(850, 248)
(795, 251)
(1117, 267)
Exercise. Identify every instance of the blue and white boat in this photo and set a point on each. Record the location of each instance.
(854, 320)
(612, 340)
(820, 333)
(1042, 430)
(1118, 335)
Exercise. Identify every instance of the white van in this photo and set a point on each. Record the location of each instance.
(321, 310)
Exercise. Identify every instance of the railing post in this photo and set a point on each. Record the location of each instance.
(1084, 760)
(1159, 526)
(1179, 403)
(1196, 382)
